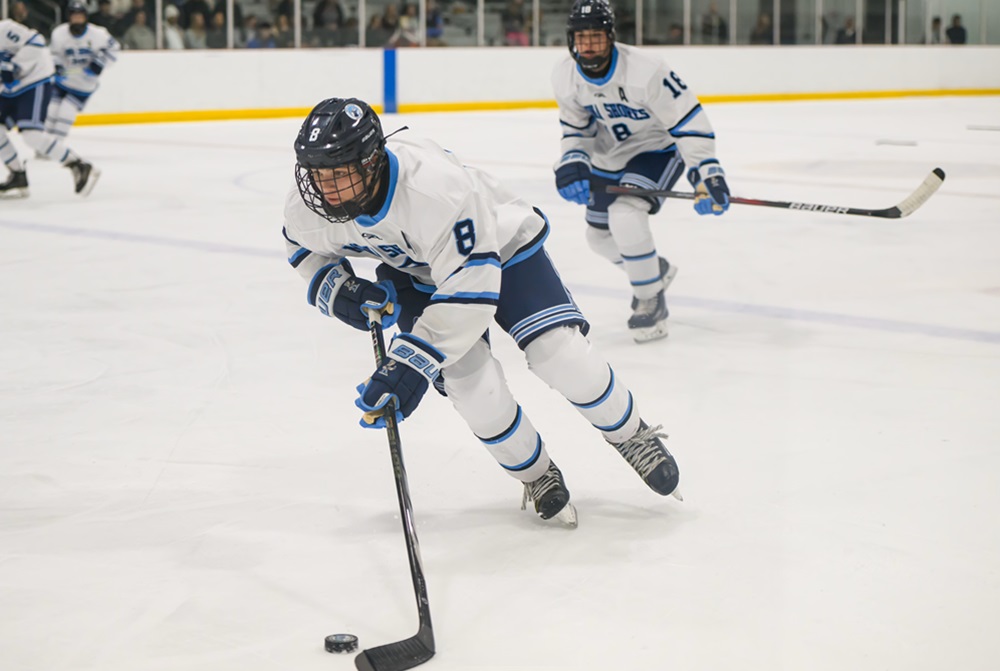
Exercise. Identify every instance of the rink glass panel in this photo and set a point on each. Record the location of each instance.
(525, 23)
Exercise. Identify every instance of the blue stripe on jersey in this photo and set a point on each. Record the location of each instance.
(530, 461)
(35, 40)
(601, 81)
(485, 297)
(687, 119)
(364, 219)
(483, 262)
(506, 433)
(600, 399)
(296, 258)
(608, 175)
(620, 423)
(532, 247)
(421, 287)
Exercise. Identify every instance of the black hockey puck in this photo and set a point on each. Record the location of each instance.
(341, 643)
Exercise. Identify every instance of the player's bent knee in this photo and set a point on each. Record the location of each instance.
(603, 244)
(472, 364)
(563, 344)
(43, 143)
(564, 360)
(629, 205)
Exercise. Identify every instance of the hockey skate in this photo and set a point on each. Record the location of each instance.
(550, 496)
(646, 454)
(649, 318)
(16, 185)
(85, 176)
(649, 322)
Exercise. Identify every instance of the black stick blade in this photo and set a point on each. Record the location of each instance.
(395, 656)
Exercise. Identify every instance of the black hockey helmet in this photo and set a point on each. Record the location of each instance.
(590, 15)
(343, 135)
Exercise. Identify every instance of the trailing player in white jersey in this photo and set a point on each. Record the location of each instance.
(457, 251)
(629, 120)
(26, 71)
(81, 51)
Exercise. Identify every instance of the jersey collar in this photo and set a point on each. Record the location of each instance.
(370, 220)
(601, 81)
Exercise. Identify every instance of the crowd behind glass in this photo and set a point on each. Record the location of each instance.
(270, 24)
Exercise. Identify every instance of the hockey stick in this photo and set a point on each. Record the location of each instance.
(418, 649)
(907, 207)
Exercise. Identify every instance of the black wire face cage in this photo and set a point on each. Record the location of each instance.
(355, 195)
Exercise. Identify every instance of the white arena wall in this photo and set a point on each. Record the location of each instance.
(187, 85)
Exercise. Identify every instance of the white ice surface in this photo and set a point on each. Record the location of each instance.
(184, 485)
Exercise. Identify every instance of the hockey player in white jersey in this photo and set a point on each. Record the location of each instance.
(26, 72)
(81, 51)
(629, 120)
(457, 251)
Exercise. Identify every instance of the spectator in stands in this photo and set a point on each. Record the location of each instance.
(220, 6)
(328, 17)
(216, 37)
(956, 32)
(284, 36)
(435, 25)
(173, 36)
(408, 33)
(675, 34)
(763, 32)
(248, 30)
(106, 19)
(936, 31)
(264, 39)
(514, 21)
(390, 19)
(847, 34)
(196, 37)
(139, 35)
(191, 7)
(714, 29)
(128, 18)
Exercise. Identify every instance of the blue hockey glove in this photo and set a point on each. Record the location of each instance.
(93, 69)
(710, 188)
(337, 292)
(408, 369)
(573, 177)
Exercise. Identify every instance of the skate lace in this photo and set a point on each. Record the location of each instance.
(641, 450)
(536, 489)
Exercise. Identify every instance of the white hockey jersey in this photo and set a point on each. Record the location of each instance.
(641, 105)
(448, 225)
(74, 54)
(24, 48)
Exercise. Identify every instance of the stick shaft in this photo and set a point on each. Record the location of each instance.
(926, 189)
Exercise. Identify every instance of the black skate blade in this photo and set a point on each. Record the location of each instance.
(397, 656)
